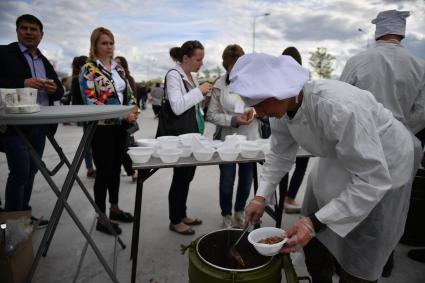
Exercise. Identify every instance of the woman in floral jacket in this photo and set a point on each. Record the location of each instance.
(103, 81)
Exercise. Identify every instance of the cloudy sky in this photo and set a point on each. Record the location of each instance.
(145, 30)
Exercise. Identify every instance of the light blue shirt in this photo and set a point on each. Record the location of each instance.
(37, 71)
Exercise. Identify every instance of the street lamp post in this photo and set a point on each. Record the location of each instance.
(253, 29)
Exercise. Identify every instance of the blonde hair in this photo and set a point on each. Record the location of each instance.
(94, 39)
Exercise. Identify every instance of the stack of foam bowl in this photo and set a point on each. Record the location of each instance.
(169, 155)
(249, 150)
(264, 145)
(186, 150)
(186, 139)
(140, 154)
(228, 153)
(168, 141)
(203, 154)
(237, 138)
(150, 142)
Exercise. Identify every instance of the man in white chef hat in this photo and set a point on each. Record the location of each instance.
(357, 196)
(395, 77)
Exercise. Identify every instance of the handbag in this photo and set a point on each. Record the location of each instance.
(170, 124)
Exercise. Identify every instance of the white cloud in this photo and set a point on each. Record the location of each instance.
(146, 30)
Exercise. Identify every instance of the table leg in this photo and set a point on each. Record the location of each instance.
(283, 188)
(62, 202)
(102, 215)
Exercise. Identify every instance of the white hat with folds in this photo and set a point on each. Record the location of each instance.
(390, 22)
(258, 76)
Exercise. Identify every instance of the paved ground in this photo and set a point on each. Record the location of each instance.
(159, 253)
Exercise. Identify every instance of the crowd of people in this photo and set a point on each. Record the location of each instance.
(368, 130)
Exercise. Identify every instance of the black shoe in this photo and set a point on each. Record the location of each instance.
(43, 223)
(121, 216)
(388, 267)
(104, 228)
(418, 255)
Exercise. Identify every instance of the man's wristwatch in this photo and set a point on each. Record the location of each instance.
(317, 225)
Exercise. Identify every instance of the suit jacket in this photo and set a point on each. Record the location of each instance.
(14, 69)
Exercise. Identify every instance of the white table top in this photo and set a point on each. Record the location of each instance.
(66, 114)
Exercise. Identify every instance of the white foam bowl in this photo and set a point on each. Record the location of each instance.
(140, 154)
(169, 155)
(203, 154)
(148, 142)
(186, 150)
(263, 233)
(249, 151)
(186, 139)
(168, 141)
(228, 154)
(238, 138)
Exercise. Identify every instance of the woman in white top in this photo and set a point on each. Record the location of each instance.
(224, 111)
(181, 113)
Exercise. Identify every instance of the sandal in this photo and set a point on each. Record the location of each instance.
(189, 231)
(121, 216)
(194, 222)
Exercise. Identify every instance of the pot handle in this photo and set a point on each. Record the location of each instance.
(183, 248)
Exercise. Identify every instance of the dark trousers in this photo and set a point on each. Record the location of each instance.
(227, 180)
(322, 265)
(297, 177)
(156, 109)
(179, 189)
(88, 157)
(108, 147)
(126, 161)
(22, 168)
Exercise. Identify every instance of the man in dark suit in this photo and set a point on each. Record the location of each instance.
(23, 65)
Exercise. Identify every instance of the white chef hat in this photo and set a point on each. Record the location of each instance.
(390, 22)
(258, 76)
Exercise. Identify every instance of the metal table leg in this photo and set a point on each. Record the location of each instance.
(102, 215)
(61, 202)
(142, 176)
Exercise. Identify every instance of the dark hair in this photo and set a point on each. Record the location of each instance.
(29, 19)
(124, 64)
(188, 48)
(293, 52)
(77, 63)
(231, 54)
(157, 84)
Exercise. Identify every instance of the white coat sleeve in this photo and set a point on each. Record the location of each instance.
(348, 75)
(180, 101)
(358, 146)
(279, 160)
(215, 113)
(416, 120)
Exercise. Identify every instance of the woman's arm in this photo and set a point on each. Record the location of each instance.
(179, 101)
(87, 86)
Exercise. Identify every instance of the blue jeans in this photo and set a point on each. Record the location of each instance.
(22, 168)
(227, 179)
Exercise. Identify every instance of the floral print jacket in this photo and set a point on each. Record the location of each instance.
(97, 87)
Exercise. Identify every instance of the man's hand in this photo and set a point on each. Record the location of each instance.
(242, 120)
(254, 210)
(50, 86)
(299, 235)
(34, 83)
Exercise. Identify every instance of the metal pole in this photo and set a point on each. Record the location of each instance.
(253, 35)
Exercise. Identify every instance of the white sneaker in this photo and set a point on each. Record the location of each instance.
(227, 222)
(239, 219)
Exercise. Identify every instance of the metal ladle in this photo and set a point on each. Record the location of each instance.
(233, 252)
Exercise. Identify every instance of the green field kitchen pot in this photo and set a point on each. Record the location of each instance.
(414, 232)
(210, 261)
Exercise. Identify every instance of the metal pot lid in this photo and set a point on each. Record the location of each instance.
(214, 249)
